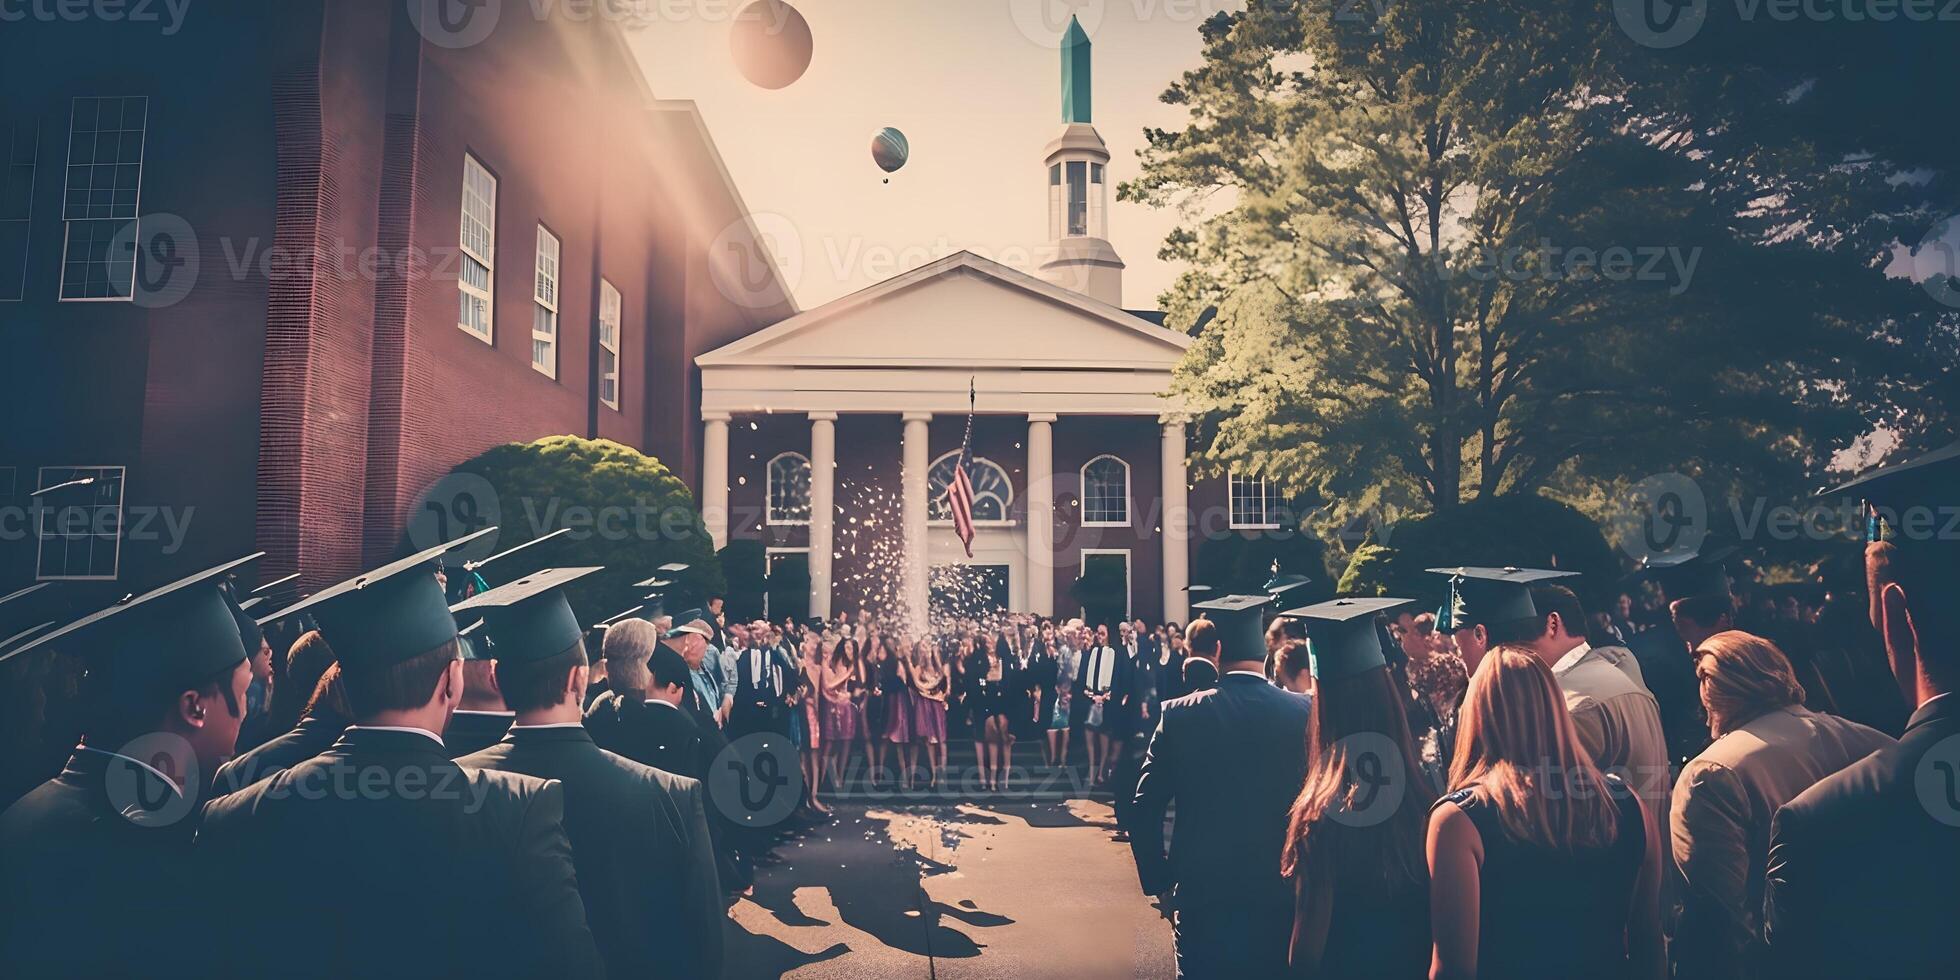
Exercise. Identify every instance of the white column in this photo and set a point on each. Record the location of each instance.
(823, 507)
(1177, 526)
(714, 476)
(1041, 514)
(918, 597)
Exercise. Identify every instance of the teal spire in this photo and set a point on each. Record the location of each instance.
(1075, 73)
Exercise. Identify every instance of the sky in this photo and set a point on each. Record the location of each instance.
(975, 85)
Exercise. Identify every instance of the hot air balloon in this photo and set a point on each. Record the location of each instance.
(771, 43)
(889, 150)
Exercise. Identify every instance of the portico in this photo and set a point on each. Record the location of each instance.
(1039, 357)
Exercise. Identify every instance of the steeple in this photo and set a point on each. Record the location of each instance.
(1075, 73)
(1079, 256)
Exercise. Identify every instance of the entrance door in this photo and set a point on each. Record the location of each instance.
(961, 591)
(788, 596)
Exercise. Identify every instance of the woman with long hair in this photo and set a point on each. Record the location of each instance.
(989, 678)
(1361, 887)
(877, 665)
(809, 697)
(895, 683)
(931, 686)
(839, 689)
(1539, 864)
(1064, 659)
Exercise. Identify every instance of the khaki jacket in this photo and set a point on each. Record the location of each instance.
(1618, 721)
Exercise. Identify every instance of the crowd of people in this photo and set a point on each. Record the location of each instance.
(405, 775)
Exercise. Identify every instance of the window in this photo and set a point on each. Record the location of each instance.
(609, 307)
(992, 493)
(1078, 197)
(544, 320)
(1254, 504)
(789, 489)
(80, 523)
(476, 278)
(20, 147)
(1106, 492)
(1057, 201)
(100, 197)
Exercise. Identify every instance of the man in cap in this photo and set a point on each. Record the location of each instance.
(1864, 866)
(97, 876)
(1700, 598)
(641, 717)
(1232, 759)
(413, 865)
(646, 865)
(323, 718)
(482, 717)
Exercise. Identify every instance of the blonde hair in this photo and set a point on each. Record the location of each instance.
(1517, 749)
(1742, 676)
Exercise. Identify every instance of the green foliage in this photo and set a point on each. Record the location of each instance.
(627, 512)
(1450, 266)
(1525, 530)
(1235, 564)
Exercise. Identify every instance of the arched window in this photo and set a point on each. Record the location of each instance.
(992, 494)
(1106, 492)
(789, 489)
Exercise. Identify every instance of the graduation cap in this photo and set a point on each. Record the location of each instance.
(1280, 585)
(472, 566)
(24, 607)
(389, 615)
(9, 643)
(1241, 626)
(1198, 589)
(159, 643)
(1342, 639)
(692, 621)
(530, 619)
(264, 590)
(607, 622)
(1924, 483)
(249, 632)
(1486, 596)
(1701, 571)
(674, 567)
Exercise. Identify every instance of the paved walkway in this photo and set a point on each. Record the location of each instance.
(959, 892)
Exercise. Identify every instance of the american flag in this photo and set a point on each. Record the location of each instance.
(959, 492)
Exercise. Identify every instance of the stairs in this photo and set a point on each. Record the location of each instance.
(1029, 780)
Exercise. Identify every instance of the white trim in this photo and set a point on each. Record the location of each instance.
(1129, 579)
(30, 127)
(134, 209)
(609, 299)
(1128, 498)
(54, 508)
(769, 491)
(546, 288)
(485, 256)
(1267, 504)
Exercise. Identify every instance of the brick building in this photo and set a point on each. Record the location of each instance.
(267, 275)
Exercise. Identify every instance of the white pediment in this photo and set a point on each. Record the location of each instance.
(961, 311)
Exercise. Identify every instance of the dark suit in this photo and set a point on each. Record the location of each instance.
(1119, 686)
(1864, 866)
(646, 866)
(1668, 671)
(474, 731)
(658, 735)
(1233, 759)
(381, 857)
(88, 892)
(761, 708)
(314, 734)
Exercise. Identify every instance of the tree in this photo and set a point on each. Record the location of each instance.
(625, 509)
(1430, 263)
(1525, 530)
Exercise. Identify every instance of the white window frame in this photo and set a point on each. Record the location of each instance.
(1007, 503)
(130, 214)
(485, 256)
(1083, 475)
(769, 571)
(546, 280)
(54, 509)
(29, 127)
(1129, 579)
(769, 491)
(610, 303)
(1268, 503)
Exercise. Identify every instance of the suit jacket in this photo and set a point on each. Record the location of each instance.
(1719, 827)
(662, 736)
(646, 866)
(381, 857)
(314, 734)
(1233, 758)
(761, 708)
(1617, 720)
(1119, 684)
(92, 882)
(1864, 866)
(472, 731)
(1668, 671)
